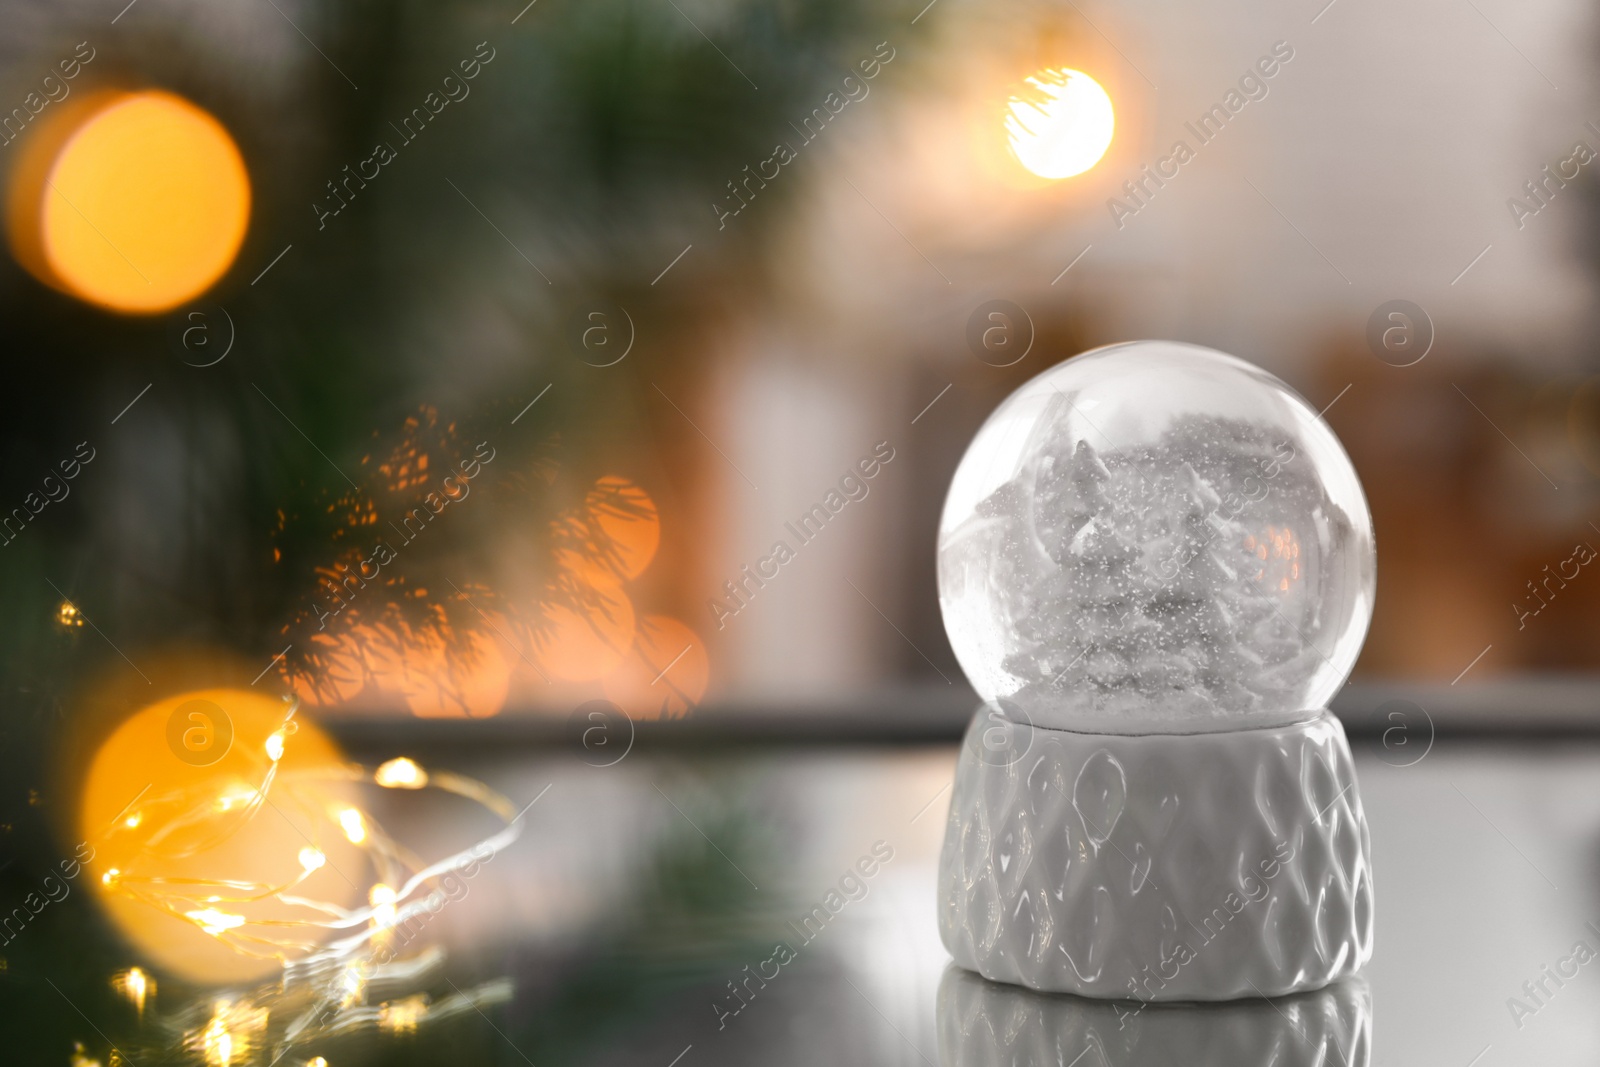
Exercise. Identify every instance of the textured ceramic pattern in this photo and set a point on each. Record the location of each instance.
(1162, 867)
(983, 1024)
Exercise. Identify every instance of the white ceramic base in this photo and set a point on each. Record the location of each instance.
(1157, 867)
(983, 1024)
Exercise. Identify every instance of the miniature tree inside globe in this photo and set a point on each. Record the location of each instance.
(1156, 537)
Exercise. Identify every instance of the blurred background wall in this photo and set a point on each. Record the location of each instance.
(1378, 166)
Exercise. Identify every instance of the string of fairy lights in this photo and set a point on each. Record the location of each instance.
(330, 953)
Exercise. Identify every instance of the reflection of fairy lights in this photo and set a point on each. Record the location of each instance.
(232, 1034)
(401, 1016)
(382, 898)
(352, 984)
(68, 615)
(355, 827)
(219, 1045)
(1279, 552)
(135, 985)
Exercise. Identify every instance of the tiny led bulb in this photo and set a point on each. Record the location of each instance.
(215, 922)
(353, 984)
(355, 827)
(382, 898)
(236, 798)
(401, 773)
(312, 858)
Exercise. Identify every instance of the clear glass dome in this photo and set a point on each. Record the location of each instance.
(1156, 537)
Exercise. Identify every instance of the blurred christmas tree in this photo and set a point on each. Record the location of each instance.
(383, 332)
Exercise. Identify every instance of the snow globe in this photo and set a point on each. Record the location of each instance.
(1156, 566)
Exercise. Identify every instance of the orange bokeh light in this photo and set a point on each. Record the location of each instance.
(443, 683)
(584, 643)
(353, 657)
(589, 640)
(134, 201)
(626, 514)
(380, 666)
(584, 633)
(664, 675)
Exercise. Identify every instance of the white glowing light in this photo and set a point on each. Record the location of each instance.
(382, 898)
(275, 746)
(1061, 124)
(215, 922)
(401, 773)
(312, 858)
(355, 827)
(237, 798)
(353, 983)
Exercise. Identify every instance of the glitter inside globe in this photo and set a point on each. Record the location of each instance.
(1156, 537)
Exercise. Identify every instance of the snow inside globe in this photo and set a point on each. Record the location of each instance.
(1156, 538)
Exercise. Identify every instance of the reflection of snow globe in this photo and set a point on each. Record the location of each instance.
(985, 1024)
(1156, 566)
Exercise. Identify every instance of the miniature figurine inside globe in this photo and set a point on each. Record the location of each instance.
(1156, 537)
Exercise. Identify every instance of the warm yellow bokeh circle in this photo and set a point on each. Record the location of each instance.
(1061, 124)
(136, 202)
